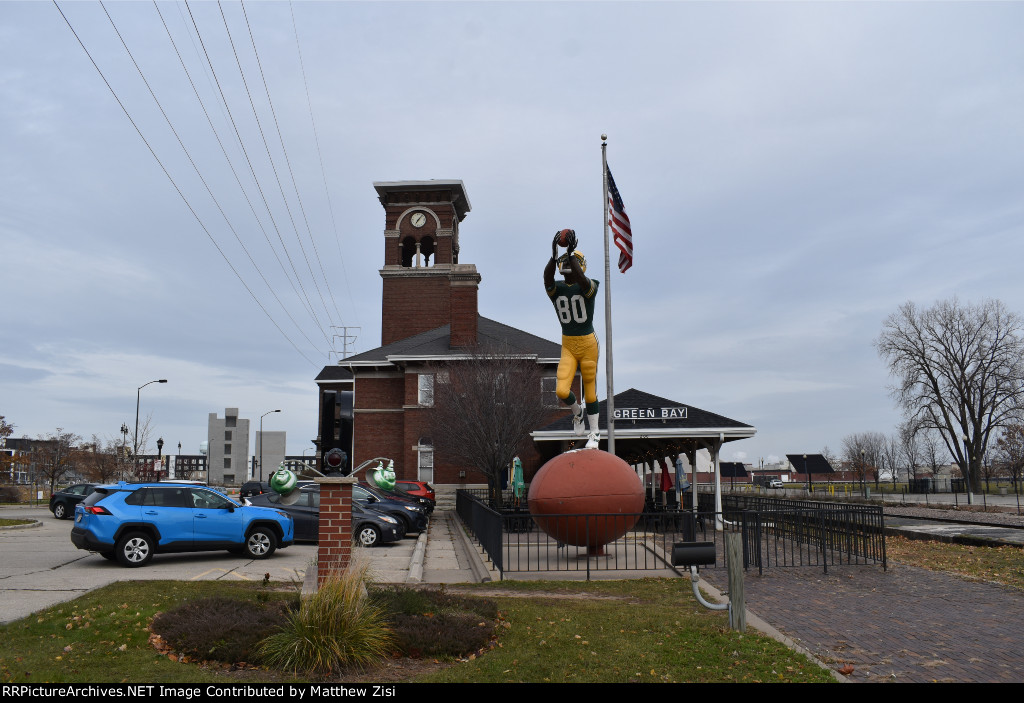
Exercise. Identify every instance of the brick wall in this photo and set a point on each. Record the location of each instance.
(414, 304)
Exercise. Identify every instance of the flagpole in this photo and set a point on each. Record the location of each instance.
(610, 403)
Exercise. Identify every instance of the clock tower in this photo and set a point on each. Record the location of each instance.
(425, 286)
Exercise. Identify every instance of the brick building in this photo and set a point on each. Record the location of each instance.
(429, 320)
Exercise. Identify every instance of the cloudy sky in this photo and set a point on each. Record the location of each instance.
(793, 173)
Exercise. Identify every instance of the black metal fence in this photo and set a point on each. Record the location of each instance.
(776, 533)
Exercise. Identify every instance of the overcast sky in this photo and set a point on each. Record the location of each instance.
(793, 173)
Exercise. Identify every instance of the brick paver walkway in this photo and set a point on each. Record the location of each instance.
(906, 624)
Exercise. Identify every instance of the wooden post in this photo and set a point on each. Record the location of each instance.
(335, 547)
(734, 562)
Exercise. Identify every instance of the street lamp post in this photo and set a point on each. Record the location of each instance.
(138, 397)
(159, 456)
(269, 412)
(124, 445)
(863, 475)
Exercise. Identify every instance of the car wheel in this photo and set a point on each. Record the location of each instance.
(260, 543)
(369, 536)
(60, 511)
(134, 549)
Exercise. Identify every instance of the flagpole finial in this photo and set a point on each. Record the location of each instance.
(604, 137)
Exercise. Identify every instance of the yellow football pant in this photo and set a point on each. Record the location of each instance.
(583, 352)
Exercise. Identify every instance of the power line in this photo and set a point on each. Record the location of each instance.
(288, 162)
(252, 170)
(320, 155)
(198, 173)
(270, 158)
(174, 184)
(239, 182)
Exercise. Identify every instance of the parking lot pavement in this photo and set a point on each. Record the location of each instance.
(40, 567)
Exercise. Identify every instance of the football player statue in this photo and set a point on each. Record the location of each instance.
(574, 299)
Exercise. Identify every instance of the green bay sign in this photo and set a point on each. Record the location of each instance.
(677, 412)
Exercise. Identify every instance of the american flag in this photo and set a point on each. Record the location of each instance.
(619, 222)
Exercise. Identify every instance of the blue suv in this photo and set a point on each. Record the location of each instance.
(130, 522)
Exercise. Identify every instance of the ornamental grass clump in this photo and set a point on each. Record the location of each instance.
(336, 628)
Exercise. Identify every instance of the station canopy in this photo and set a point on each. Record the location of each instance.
(647, 427)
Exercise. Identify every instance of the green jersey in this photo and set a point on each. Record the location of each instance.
(575, 307)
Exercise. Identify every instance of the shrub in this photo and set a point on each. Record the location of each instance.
(335, 628)
(445, 635)
(223, 629)
(435, 623)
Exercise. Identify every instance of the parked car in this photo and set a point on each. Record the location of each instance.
(413, 518)
(130, 522)
(254, 488)
(776, 483)
(400, 495)
(421, 489)
(369, 527)
(62, 503)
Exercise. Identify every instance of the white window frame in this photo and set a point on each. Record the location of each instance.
(425, 390)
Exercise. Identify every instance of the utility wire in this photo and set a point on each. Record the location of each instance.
(288, 162)
(237, 178)
(198, 173)
(175, 185)
(273, 166)
(238, 136)
(320, 154)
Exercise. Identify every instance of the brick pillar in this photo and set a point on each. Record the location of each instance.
(464, 281)
(335, 525)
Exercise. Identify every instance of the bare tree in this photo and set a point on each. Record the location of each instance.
(891, 456)
(1010, 452)
(959, 370)
(484, 409)
(933, 449)
(863, 450)
(910, 448)
(55, 454)
(6, 460)
(98, 460)
(831, 457)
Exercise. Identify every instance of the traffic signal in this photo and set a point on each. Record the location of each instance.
(336, 415)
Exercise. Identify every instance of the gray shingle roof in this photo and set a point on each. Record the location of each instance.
(437, 343)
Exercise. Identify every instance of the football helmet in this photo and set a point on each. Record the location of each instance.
(563, 262)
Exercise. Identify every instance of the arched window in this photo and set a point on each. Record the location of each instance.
(427, 249)
(408, 251)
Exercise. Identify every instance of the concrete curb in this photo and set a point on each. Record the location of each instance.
(481, 572)
(34, 523)
(417, 559)
(764, 628)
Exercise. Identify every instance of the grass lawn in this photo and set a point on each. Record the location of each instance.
(1003, 565)
(650, 630)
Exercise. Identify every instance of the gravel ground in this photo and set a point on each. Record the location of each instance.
(965, 516)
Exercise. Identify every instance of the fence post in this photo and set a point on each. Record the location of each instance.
(737, 599)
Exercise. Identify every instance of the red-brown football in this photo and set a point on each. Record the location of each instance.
(563, 237)
(571, 489)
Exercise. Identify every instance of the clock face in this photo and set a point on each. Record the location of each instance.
(418, 219)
